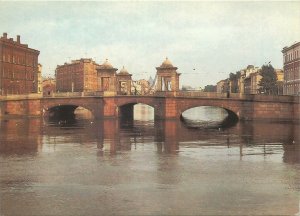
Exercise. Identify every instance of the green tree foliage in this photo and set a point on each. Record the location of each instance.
(210, 88)
(234, 78)
(268, 83)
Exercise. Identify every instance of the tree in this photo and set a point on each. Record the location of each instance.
(234, 78)
(210, 88)
(268, 82)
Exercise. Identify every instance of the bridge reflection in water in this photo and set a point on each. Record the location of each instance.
(254, 166)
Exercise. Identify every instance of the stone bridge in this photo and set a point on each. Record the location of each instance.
(167, 105)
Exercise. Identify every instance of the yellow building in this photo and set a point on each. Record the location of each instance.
(222, 86)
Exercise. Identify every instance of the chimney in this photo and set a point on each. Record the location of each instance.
(5, 35)
(18, 39)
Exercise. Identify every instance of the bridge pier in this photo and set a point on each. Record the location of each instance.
(109, 108)
(171, 110)
(20, 108)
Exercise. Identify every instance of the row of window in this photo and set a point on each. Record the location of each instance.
(72, 68)
(6, 73)
(16, 90)
(292, 89)
(292, 73)
(292, 66)
(291, 56)
(30, 60)
(291, 76)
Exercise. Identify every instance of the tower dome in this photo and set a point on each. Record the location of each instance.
(123, 71)
(167, 63)
(107, 65)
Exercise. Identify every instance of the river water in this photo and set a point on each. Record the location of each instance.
(105, 167)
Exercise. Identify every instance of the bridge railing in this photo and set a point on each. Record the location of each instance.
(199, 94)
(75, 94)
(96, 93)
(186, 94)
(190, 94)
(238, 96)
(262, 97)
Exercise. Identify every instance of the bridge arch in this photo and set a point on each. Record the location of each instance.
(129, 102)
(64, 110)
(231, 119)
(127, 112)
(150, 101)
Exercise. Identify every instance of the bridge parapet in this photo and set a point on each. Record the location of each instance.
(165, 93)
(75, 94)
(260, 97)
(200, 94)
(238, 96)
(21, 97)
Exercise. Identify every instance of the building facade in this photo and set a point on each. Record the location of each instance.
(123, 82)
(141, 87)
(18, 67)
(291, 68)
(77, 76)
(244, 82)
(222, 86)
(106, 78)
(48, 86)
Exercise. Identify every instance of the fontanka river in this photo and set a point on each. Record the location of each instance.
(108, 167)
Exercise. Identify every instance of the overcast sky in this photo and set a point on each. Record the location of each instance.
(205, 40)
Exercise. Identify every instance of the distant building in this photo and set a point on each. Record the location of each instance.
(77, 76)
(251, 83)
(49, 86)
(291, 68)
(18, 67)
(244, 82)
(141, 87)
(187, 88)
(222, 86)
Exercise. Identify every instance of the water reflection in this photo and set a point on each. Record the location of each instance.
(27, 136)
(20, 136)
